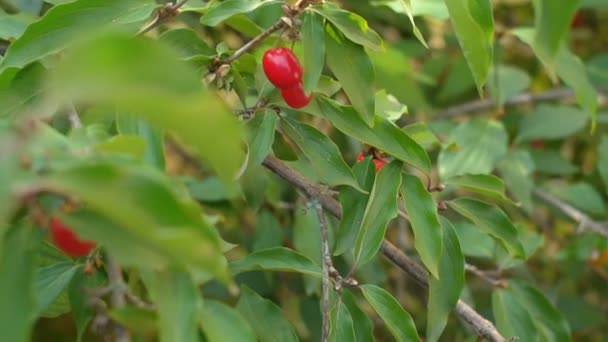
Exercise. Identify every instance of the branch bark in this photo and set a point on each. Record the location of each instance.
(327, 263)
(480, 325)
(117, 295)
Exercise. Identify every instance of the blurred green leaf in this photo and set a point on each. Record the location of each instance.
(51, 282)
(343, 57)
(276, 259)
(473, 23)
(492, 220)
(512, 319)
(473, 242)
(387, 106)
(210, 189)
(268, 232)
(445, 291)
(186, 43)
(422, 212)
(486, 185)
(579, 194)
(397, 320)
(581, 313)
(551, 122)
(341, 323)
(602, 160)
(551, 162)
(17, 284)
(407, 7)
(179, 302)
(243, 24)
(24, 89)
(220, 11)
(313, 45)
(362, 324)
(64, 25)
(154, 153)
(479, 145)
(82, 312)
(139, 321)
(260, 131)
(265, 317)
(384, 135)
(321, 151)
(307, 240)
(381, 208)
(351, 25)
(421, 133)
(551, 22)
(353, 206)
(13, 26)
(596, 68)
(222, 323)
(516, 169)
(507, 81)
(170, 97)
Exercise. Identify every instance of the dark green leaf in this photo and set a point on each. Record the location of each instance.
(222, 323)
(276, 259)
(82, 312)
(552, 122)
(602, 160)
(17, 285)
(352, 25)
(397, 320)
(139, 321)
(51, 281)
(474, 26)
(492, 220)
(445, 291)
(313, 45)
(265, 317)
(516, 169)
(322, 152)
(381, 208)
(512, 319)
(221, 11)
(63, 25)
(261, 136)
(341, 324)
(268, 232)
(487, 185)
(384, 135)
(179, 302)
(361, 323)
(353, 206)
(479, 144)
(551, 162)
(552, 21)
(343, 56)
(422, 212)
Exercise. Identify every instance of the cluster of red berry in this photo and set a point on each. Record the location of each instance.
(284, 71)
(379, 163)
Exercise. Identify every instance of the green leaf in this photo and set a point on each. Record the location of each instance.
(516, 169)
(210, 189)
(352, 26)
(552, 21)
(17, 285)
(381, 208)
(152, 221)
(479, 145)
(551, 162)
(322, 152)
(486, 185)
(139, 321)
(353, 206)
(422, 134)
(474, 27)
(341, 323)
(179, 302)
(154, 153)
(265, 317)
(361, 323)
(82, 312)
(551, 122)
(170, 97)
(343, 57)
(307, 240)
(506, 82)
(261, 136)
(384, 135)
(445, 292)
(407, 6)
(397, 320)
(187, 43)
(492, 220)
(422, 212)
(222, 323)
(512, 319)
(549, 321)
(13, 26)
(473, 242)
(581, 195)
(268, 232)
(313, 45)
(23, 90)
(221, 11)
(596, 69)
(51, 281)
(276, 259)
(387, 106)
(602, 160)
(63, 25)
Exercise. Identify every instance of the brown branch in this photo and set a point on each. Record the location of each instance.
(255, 41)
(526, 98)
(482, 326)
(164, 14)
(327, 265)
(117, 295)
(496, 282)
(585, 222)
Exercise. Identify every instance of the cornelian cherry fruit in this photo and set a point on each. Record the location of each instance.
(379, 163)
(66, 240)
(295, 96)
(282, 68)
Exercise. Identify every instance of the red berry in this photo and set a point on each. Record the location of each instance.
(68, 241)
(360, 157)
(577, 20)
(295, 96)
(379, 163)
(282, 68)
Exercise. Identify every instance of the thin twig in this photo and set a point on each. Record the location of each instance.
(484, 276)
(255, 41)
(162, 15)
(327, 265)
(482, 327)
(117, 296)
(585, 222)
